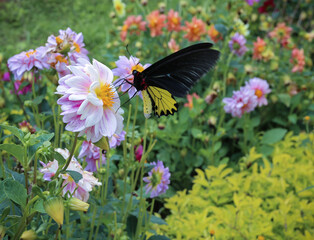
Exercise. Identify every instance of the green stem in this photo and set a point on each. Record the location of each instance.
(107, 173)
(92, 225)
(226, 74)
(35, 169)
(71, 155)
(25, 168)
(67, 220)
(98, 225)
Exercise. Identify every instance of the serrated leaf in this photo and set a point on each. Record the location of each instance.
(15, 191)
(274, 135)
(15, 131)
(16, 150)
(75, 175)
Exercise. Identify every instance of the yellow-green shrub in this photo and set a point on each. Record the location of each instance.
(257, 203)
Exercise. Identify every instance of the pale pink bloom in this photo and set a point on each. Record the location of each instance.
(173, 46)
(116, 139)
(281, 33)
(132, 25)
(124, 70)
(26, 61)
(261, 88)
(298, 60)
(156, 22)
(194, 30)
(242, 101)
(173, 21)
(79, 190)
(237, 44)
(90, 104)
(92, 156)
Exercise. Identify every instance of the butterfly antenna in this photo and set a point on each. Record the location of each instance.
(127, 49)
(128, 99)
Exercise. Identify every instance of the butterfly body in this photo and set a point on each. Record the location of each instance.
(172, 76)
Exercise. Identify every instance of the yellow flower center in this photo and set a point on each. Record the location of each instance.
(77, 47)
(138, 68)
(59, 40)
(258, 93)
(60, 58)
(28, 54)
(106, 94)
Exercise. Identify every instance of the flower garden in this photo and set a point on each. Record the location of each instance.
(86, 152)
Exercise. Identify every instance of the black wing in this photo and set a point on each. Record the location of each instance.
(179, 71)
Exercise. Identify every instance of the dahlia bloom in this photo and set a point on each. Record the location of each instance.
(237, 44)
(281, 33)
(298, 60)
(132, 25)
(214, 34)
(267, 6)
(194, 30)
(116, 139)
(124, 70)
(26, 78)
(242, 101)
(261, 88)
(92, 156)
(241, 28)
(173, 21)
(79, 190)
(6, 77)
(251, 2)
(90, 104)
(138, 151)
(259, 48)
(173, 46)
(25, 61)
(158, 180)
(156, 22)
(190, 98)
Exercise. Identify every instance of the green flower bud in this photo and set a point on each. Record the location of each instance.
(55, 209)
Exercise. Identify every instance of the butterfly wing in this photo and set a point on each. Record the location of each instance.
(147, 104)
(162, 101)
(178, 72)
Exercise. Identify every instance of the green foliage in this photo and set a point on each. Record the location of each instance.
(272, 199)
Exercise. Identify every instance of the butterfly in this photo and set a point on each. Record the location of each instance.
(173, 76)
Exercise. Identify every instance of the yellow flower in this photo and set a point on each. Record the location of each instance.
(55, 209)
(119, 6)
(76, 204)
(28, 235)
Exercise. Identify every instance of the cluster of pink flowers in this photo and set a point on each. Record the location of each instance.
(250, 96)
(80, 189)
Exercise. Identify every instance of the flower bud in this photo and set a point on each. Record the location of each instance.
(2, 232)
(76, 204)
(55, 209)
(29, 235)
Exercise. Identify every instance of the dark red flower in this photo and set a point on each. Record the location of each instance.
(267, 6)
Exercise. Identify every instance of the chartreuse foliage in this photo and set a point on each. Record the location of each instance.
(268, 199)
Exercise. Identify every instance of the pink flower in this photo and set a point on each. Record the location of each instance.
(6, 77)
(116, 139)
(237, 44)
(138, 152)
(158, 180)
(124, 70)
(194, 30)
(281, 33)
(79, 190)
(90, 104)
(92, 155)
(173, 21)
(298, 60)
(190, 97)
(156, 22)
(26, 61)
(259, 48)
(132, 25)
(261, 88)
(242, 101)
(173, 46)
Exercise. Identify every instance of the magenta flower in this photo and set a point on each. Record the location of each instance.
(158, 180)
(138, 151)
(242, 101)
(261, 88)
(251, 2)
(90, 104)
(92, 155)
(6, 77)
(237, 44)
(79, 190)
(26, 61)
(124, 70)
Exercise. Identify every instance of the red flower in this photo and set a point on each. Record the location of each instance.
(173, 21)
(133, 25)
(194, 30)
(268, 6)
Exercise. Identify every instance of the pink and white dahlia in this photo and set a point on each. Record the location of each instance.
(261, 88)
(242, 101)
(92, 156)
(80, 189)
(124, 70)
(26, 61)
(90, 104)
(237, 44)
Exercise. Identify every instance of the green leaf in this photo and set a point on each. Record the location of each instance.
(39, 206)
(16, 150)
(15, 191)
(38, 100)
(158, 237)
(284, 98)
(293, 118)
(61, 160)
(196, 133)
(131, 225)
(75, 175)
(157, 220)
(273, 135)
(15, 131)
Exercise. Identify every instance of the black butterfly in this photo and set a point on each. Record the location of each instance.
(173, 75)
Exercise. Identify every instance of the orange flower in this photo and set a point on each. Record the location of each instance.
(214, 34)
(190, 97)
(194, 30)
(173, 21)
(133, 25)
(259, 48)
(281, 33)
(298, 60)
(173, 46)
(156, 22)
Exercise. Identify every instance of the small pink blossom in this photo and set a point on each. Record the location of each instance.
(156, 22)
(132, 25)
(251, 2)
(298, 60)
(261, 88)
(173, 21)
(237, 44)
(194, 30)
(92, 156)
(173, 46)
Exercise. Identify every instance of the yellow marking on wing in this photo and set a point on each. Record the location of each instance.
(147, 104)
